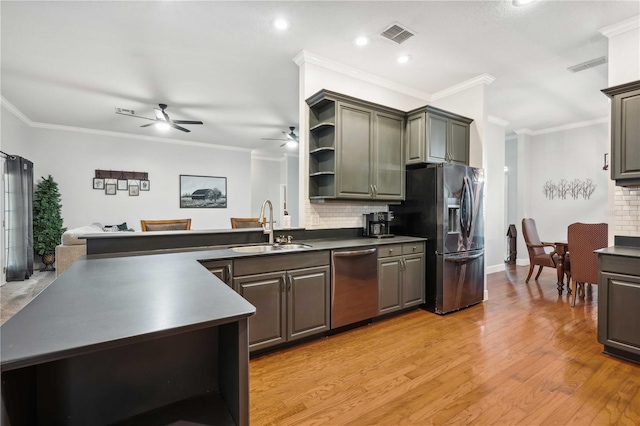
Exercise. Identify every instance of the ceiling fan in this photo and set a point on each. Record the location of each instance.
(162, 120)
(290, 139)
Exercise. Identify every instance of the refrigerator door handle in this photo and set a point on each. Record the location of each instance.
(466, 207)
(462, 259)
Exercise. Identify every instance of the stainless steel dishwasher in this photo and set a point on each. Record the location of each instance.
(354, 286)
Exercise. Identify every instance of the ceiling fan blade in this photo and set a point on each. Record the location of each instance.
(187, 122)
(136, 116)
(175, 126)
(147, 125)
(269, 139)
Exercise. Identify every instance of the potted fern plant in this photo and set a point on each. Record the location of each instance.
(47, 221)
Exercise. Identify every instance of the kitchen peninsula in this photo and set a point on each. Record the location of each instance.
(127, 338)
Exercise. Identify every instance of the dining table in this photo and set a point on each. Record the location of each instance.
(562, 249)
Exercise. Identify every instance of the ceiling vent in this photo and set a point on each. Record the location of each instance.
(125, 111)
(397, 33)
(589, 64)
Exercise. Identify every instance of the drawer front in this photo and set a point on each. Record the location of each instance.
(413, 248)
(619, 264)
(279, 262)
(388, 250)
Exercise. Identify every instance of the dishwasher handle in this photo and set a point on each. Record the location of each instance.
(354, 252)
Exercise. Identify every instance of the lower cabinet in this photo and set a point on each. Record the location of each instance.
(289, 305)
(618, 302)
(221, 269)
(400, 277)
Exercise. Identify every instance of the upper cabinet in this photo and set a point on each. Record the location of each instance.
(625, 133)
(437, 136)
(355, 149)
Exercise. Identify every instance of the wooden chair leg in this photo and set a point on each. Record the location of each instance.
(539, 272)
(531, 266)
(574, 291)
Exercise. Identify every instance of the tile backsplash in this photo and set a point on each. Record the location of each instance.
(339, 215)
(627, 211)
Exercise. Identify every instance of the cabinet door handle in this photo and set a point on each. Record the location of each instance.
(282, 282)
(289, 282)
(404, 264)
(375, 190)
(227, 272)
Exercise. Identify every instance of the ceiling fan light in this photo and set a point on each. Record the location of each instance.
(281, 24)
(519, 3)
(163, 126)
(292, 144)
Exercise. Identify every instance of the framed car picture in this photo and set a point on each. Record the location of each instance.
(203, 192)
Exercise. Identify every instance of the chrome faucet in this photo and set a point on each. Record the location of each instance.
(261, 220)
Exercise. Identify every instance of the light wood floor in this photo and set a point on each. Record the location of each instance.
(523, 357)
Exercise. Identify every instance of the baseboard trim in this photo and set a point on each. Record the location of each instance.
(495, 268)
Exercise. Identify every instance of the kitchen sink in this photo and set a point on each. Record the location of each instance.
(262, 248)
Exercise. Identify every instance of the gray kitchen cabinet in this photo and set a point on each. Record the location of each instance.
(436, 136)
(400, 277)
(356, 149)
(618, 302)
(222, 269)
(625, 133)
(291, 296)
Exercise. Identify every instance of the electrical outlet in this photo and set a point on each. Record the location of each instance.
(315, 220)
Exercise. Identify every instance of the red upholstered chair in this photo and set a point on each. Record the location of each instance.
(535, 247)
(584, 239)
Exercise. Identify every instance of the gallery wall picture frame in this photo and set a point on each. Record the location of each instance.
(98, 183)
(209, 192)
(134, 190)
(110, 189)
(123, 184)
(145, 185)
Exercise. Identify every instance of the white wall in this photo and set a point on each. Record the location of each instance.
(71, 158)
(265, 184)
(569, 154)
(494, 200)
(511, 176)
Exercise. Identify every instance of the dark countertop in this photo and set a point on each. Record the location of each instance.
(103, 301)
(620, 251)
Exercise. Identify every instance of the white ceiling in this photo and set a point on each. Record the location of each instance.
(72, 63)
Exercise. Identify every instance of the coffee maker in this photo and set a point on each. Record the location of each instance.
(376, 225)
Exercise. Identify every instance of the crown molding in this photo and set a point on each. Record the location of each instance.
(58, 127)
(481, 79)
(524, 131)
(621, 27)
(496, 120)
(15, 111)
(570, 126)
(306, 57)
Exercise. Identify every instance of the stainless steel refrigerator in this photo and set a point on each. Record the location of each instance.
(444, 203)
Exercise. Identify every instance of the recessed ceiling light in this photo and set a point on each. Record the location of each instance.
(163, 126)
(404, 59)
(362, 41)
(281, 24)
(519, 3)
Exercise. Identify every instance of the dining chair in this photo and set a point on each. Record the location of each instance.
(584, 239)
(166, 225)
(245, 222)
(536, 248)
